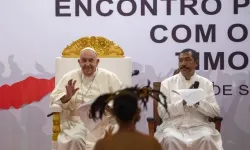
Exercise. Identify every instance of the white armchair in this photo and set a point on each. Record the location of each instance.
(106, 50)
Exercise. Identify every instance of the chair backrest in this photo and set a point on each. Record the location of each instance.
(106, 50)
(156, 86)
(104, 47)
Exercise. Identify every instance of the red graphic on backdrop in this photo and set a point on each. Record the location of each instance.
(25, 92)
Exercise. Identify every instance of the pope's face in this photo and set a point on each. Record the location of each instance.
(88, 62)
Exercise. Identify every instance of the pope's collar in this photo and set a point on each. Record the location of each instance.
(183, 78)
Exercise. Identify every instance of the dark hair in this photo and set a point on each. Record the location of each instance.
(125, 102)
(195, 54)
(125, 107)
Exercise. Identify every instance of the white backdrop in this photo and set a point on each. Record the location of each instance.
(32, 36)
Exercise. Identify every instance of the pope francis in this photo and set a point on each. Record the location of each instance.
(75, 88)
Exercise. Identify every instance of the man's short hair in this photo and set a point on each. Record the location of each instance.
(195, 54)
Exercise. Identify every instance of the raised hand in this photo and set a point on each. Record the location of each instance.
(109, 109)
(70, 90)
(108, 133)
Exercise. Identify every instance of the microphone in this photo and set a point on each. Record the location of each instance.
(135, 72)
(195, 85)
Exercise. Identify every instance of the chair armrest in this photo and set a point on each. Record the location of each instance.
(151, 125)
(217, 121)
(151, 119)
(55, 108)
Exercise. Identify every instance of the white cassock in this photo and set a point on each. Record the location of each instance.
(74, 134)
(188, 127)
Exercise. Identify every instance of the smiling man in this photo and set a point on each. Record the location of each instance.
(188, 127)
(75, 88)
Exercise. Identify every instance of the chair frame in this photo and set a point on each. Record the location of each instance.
(56, 120)
(155, 121)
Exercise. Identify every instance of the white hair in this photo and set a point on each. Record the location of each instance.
(88, 49)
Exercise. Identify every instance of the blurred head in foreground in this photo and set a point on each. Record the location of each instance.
(126, 108)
